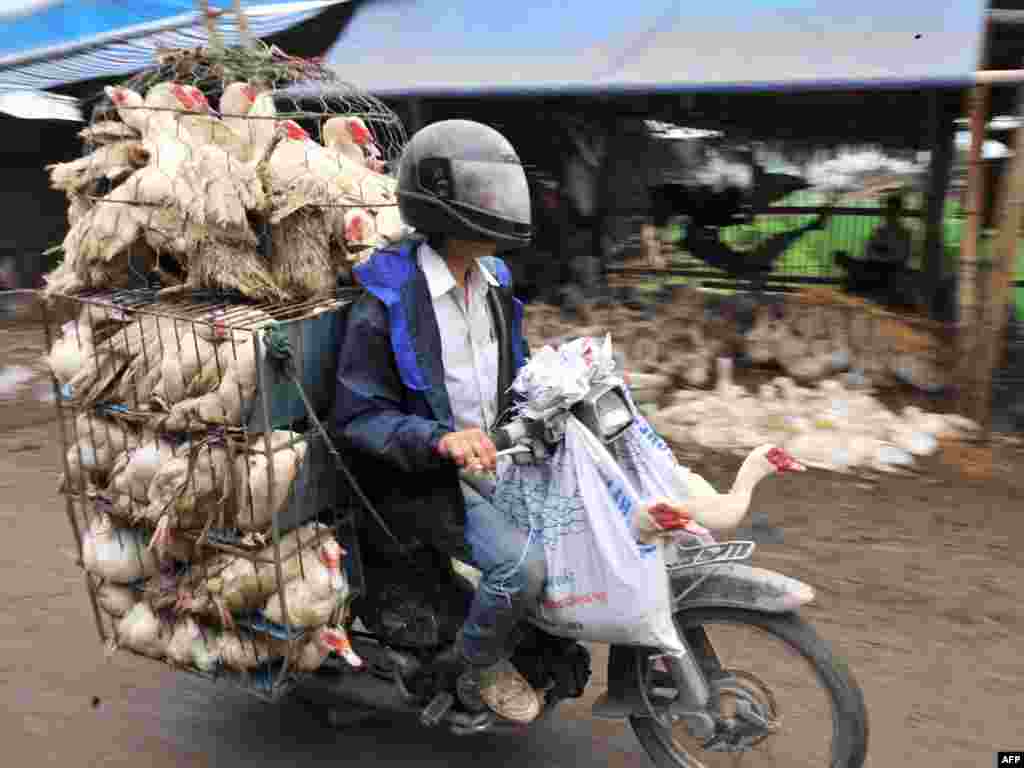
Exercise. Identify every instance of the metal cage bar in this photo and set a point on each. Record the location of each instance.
(98, 428)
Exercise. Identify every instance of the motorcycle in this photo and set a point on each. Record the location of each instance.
(685, 709)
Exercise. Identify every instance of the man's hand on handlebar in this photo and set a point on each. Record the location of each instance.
(471, 449)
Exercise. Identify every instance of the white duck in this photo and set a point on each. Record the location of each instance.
(309, 654)
(69, 353)
(940, 424)
(149, 115)
(246, 652)
(772, 411)
(235, 103)
(115, 553)
(258, 504)
(98, 442)
(243, 586)
(762, 341)
(313, 599)
(140, 203)
(112, 162)
(156, 118)
(135, 469)
(829, 449)
(186, 356)
(186, 494)
(228, 403)
(142, 631)
(108, 132)
(841, 354)
(298, 159)
(814, 363)
(261, 124)
(203, 161)
(115, 599)
(191, 646)
(203, 126)
(326, 640)
(708, 507)
(906, 436)
(217, 191)
(186, 196)
(350, 137)
(359, 231)
(101, 235)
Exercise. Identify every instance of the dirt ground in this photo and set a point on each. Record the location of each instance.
(917, 580)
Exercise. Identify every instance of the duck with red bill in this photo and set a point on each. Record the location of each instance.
(708, 507)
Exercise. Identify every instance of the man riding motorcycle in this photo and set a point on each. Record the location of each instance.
(426, 363)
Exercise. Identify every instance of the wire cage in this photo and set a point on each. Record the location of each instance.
(204, 173)
(192, 329)
(215, 520)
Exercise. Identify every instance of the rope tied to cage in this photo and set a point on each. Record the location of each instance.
(279, 349)
(279, 354)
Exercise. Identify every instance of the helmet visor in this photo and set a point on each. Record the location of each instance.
(499, 189)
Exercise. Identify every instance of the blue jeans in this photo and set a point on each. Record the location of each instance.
(512, 578)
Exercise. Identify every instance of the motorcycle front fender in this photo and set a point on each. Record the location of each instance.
(735, 585)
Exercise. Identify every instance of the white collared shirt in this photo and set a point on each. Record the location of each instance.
(469, 345)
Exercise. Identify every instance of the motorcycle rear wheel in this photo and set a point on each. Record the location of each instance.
(666, 746)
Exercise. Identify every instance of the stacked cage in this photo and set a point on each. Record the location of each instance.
(193, 326)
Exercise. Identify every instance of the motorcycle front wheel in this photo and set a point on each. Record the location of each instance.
(753, 660)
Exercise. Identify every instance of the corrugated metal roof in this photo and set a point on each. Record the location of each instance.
(587, 46)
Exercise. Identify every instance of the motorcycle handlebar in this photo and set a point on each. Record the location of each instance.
(509, 435)
(501, 440)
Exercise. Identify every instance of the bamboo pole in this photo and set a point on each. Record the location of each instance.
(968, 268)
(243, 24)
(999, 77)
(939, 174)
(210, 18)
(1004, 262)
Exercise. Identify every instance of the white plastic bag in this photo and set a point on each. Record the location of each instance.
(655, 473)
(556, 379)
(602, 585)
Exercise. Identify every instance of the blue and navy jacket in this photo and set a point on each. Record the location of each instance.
(392, 407)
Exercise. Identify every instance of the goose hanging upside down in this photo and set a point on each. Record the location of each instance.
(706, 506)
(351, 137)
(202, 125)
(112, 162)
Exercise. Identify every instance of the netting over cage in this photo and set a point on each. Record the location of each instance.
(202, 173)
(216, 527)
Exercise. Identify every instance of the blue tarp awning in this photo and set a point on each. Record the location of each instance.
(47, 43)
(535, 46)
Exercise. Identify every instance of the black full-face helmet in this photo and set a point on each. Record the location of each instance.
(461, 179)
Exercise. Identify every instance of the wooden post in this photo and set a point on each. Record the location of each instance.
(1004, 262)
(243, 25)
(966, 374)
(939, 173)
(212, 35)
